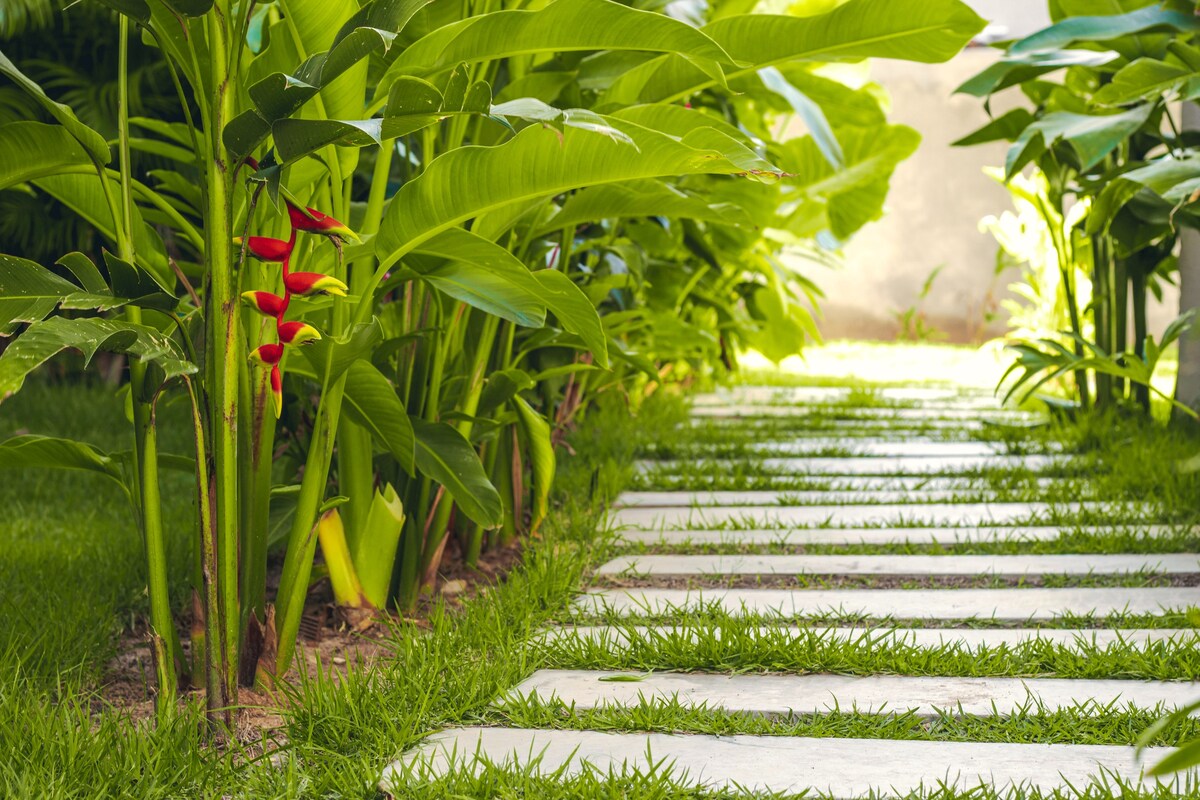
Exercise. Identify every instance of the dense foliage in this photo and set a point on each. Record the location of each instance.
(471, 220)
(1115, 181)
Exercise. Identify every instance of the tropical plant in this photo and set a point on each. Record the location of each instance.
(1115, 164)
(542, 203)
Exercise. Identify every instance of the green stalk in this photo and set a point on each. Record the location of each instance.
(223, 349)
(1120, 313)
(302, 541)
(356, 470)
(1138, 286)
(468, 405)
(258, 424)
(145, 435)
(209, 643)
(1102, 314)
(156, 556)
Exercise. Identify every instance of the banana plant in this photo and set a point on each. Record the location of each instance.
(418, 238)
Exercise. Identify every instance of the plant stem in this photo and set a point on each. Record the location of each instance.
(223, 349)
(145, 438)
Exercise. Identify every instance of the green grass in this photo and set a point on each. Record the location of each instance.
(738, 645)
(62, 740)
(1125, 540)
(78, 563)
(72, 574)
(1085, 723)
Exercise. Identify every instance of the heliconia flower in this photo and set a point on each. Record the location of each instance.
(297, 333)
(310, 220)
(267, 353)
(265, 303)
(277, 390)
(265, 248)
(308, 283)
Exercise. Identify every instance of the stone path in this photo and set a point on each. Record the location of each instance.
(680, 588)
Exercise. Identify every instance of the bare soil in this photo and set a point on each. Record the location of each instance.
(331, 640)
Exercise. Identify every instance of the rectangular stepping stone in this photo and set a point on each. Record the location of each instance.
(871, 694)
(846, 516)
(616, 638)
(854, 427)
(905, 447)
(904, 565)
(783, 537)
(858, 484)
(868, 465)
(837, 768)
(689, 499)
(861, 412)
(768, 498)
(838, 394)
(1009, 605)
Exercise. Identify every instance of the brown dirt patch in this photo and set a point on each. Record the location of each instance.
(330, 641)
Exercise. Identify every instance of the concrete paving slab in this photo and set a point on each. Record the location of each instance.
(838, 768)
(862, 484)
(1008, 605)
(861, 412)
(840, 394)
(845, 516)
(869, 426)
(867, 465)
(617, 638)
(784, 537)
(906, 447)
(771, 497)
(871, 694)
(904, 565)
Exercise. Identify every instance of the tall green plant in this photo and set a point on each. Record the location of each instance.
(553, 200)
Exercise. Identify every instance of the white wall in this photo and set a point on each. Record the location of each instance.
(937, 200)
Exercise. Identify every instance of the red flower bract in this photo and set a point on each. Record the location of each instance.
(265, 248)
(310, 220)
(308, 283)
(268, 353)
(266, 303)
(297, 333)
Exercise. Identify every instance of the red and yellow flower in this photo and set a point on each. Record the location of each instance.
(279, 251)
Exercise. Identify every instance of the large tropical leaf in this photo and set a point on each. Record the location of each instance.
(445, 455)
(644, 198)
(915, 30)
(43, 340)
(35, 150)
(47, 452)
(480, 273)
(29, 292)
(1013, 69)
(84, 194)
(470, 181)
(1148, 79)
(574, 311)
(332, 42)
(564, 25)
(90, 140)
(371, 401)
(808, 111)
(1091, 137)
(412, 105)
(1150, 19)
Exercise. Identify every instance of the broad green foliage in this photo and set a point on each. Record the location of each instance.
(1103, 83)
(540, 203)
